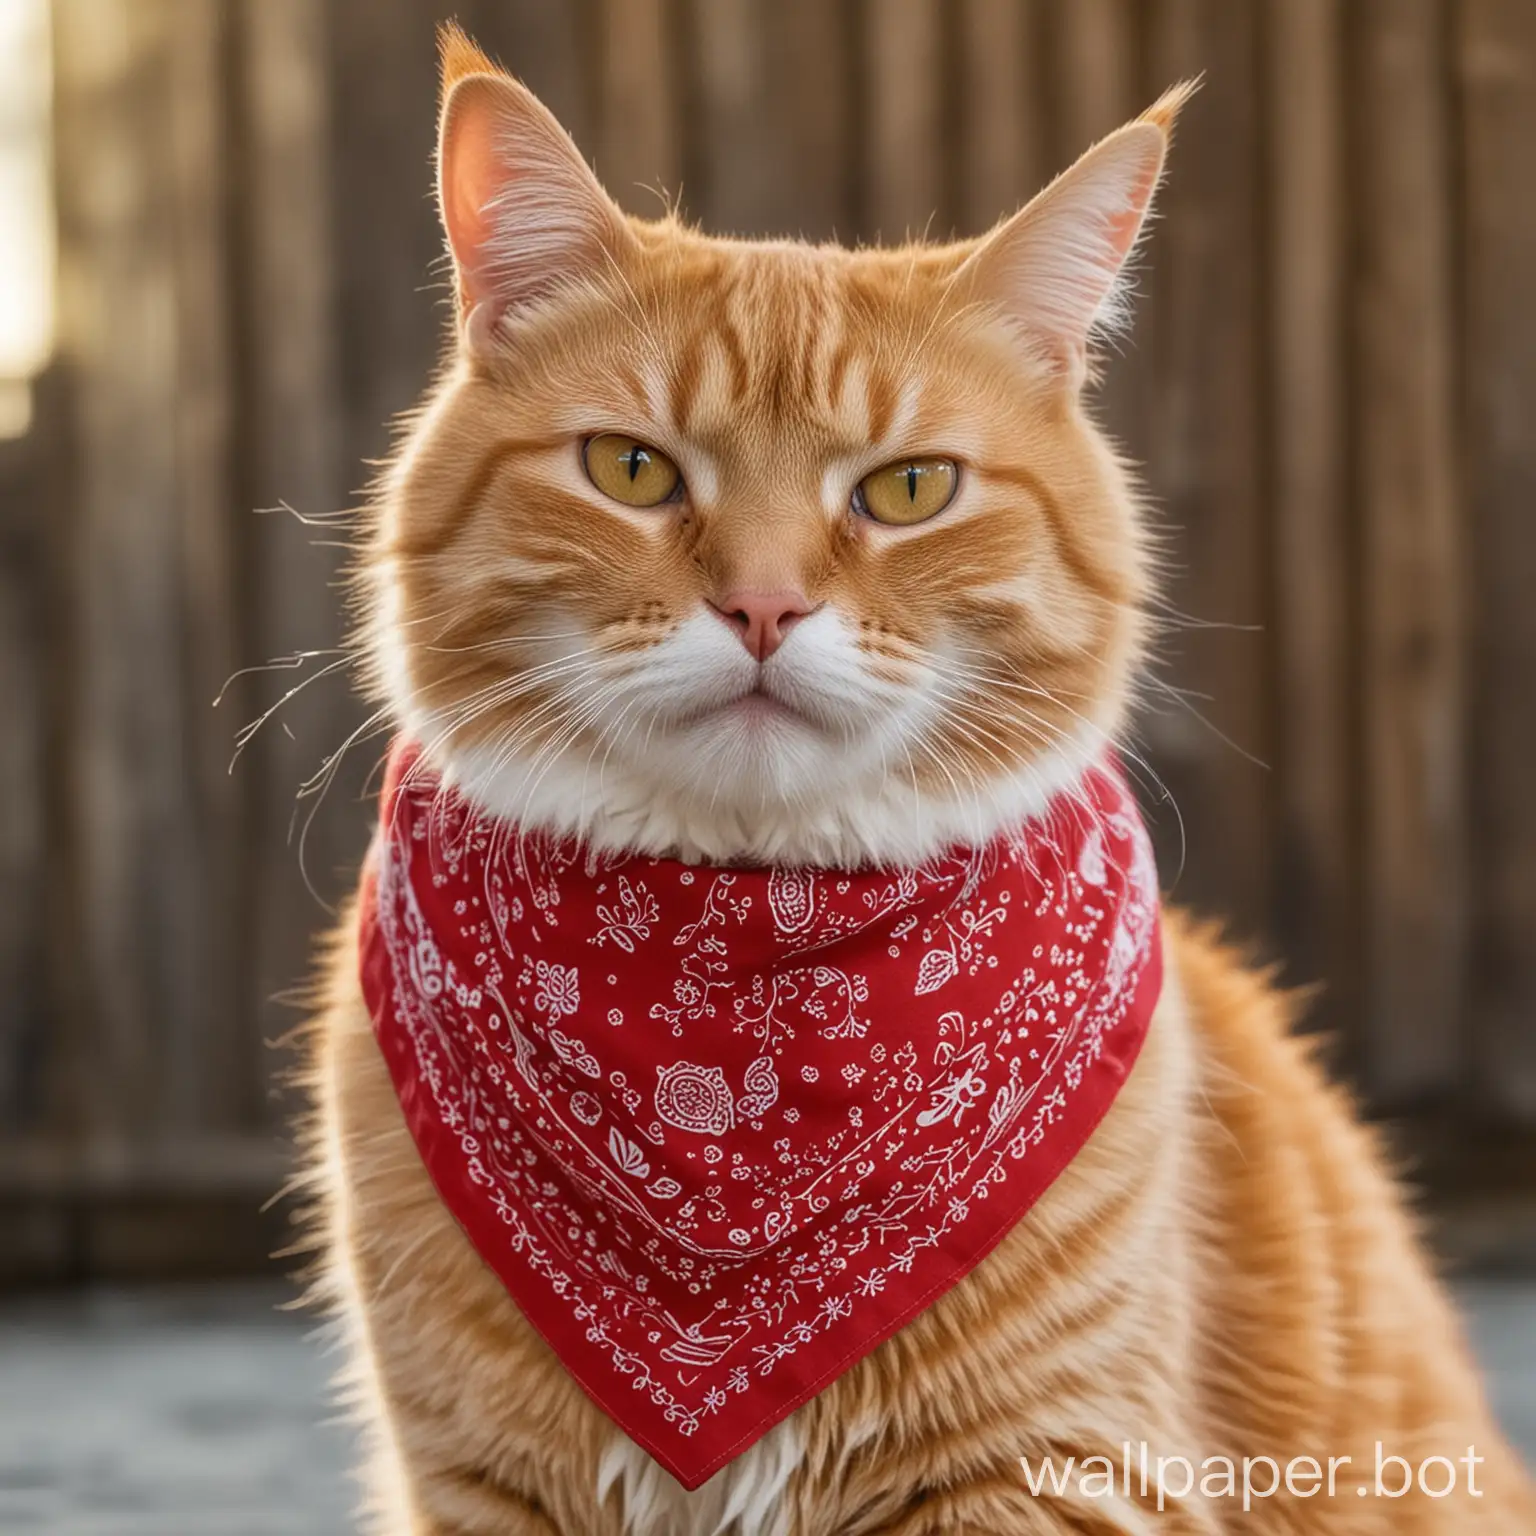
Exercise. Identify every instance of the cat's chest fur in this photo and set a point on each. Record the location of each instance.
(747, 1497)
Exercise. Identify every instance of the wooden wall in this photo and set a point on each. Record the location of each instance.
(1332, 387)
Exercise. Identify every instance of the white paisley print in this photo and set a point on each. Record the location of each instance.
(722, 1130)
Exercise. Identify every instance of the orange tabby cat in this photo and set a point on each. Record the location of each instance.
(1225, 1270)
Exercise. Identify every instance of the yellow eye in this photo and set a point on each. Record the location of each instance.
(909, 491)
(630, 471)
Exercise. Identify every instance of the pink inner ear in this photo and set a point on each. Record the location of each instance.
(522, 211)
(1122, 226)
(471, 172)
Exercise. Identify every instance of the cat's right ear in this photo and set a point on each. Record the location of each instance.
(1056, 268)
(522, 211)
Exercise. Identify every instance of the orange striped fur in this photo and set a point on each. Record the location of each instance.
(1226, 1269)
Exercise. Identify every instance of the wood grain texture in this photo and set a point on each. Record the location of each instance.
(294, 466)
(1199, 326)
(143, 839)
(392, 295)
(24, 662)
(207, 1082)
(1497, 56)
(744, 176)
(769, 140)
(1316, 908)
(1001, 160)
(1411, 549)
(903, 97)
(1097, 83)
(1331, 381)
(640, 155)
(813, 109)
(1095, 74)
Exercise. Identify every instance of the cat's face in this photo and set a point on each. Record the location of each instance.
(758, 550)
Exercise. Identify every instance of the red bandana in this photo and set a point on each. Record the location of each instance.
(722, 1131)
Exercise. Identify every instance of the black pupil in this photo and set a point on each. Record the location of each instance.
(637, 458)
(912, 474)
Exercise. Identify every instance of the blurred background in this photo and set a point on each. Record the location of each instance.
(220, 279)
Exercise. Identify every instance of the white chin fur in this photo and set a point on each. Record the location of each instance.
(763, 790)
(891, 824)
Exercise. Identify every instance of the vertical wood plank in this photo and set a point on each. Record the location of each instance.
(1098, 86)
(1411, 553)
(767, 141)
(144, 835)
(1096, 77)
(903, 109)
(1293, 381)
(24, 489)
(64, 1104)
(1205, 468)
(1001, 164)
(815, 50)
(640, 137)
(1316, 910)
(295, 453)
(392, 298)
(388, 299)
(1497, 49)
(207, 1079)
(32, 492)
(745, 183)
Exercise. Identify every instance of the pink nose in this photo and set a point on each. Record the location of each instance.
(762, 619)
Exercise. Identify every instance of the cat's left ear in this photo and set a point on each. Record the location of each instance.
(1056, 267)
(523, 213)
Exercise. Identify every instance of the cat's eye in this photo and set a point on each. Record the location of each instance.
(631, 471)
(908, 491)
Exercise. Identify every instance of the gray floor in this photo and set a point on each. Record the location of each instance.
(206, 1414)
(179, 1414)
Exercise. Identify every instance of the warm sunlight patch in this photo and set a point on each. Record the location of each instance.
(27, 254)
